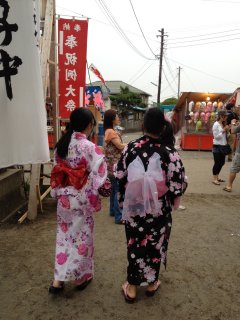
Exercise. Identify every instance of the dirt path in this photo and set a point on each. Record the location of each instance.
(202, 281)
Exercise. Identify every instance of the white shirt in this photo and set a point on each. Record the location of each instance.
(219, 135)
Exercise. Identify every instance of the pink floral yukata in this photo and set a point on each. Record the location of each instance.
(151, 177)
(75, 208)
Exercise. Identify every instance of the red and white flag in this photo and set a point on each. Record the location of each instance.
(98, 74)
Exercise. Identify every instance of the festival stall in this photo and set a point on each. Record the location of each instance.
(235, 99)
(198, 112)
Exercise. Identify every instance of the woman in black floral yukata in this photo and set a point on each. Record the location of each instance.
(151, 181)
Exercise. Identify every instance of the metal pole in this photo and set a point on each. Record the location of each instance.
(179, 71)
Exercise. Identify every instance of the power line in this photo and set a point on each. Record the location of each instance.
(110, 16)
(202, 44)
(139, 70)
(194, 40)
(210, 75)
(169, 67)
(169, 40)
(169, 83)
(141, 29)
(204, 35)
(143, 72)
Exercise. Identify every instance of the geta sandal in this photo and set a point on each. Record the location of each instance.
(83, 285)
(151, 293)
(56, 290)
(128, 299)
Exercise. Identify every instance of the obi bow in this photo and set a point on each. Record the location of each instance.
(145, 187)
(62, 175)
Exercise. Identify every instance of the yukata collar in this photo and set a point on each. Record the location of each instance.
(79, 135)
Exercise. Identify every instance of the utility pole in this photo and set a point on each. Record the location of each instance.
(179, 71)
(160, 64)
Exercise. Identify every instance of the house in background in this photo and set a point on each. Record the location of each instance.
(114, 87)
(132, 120)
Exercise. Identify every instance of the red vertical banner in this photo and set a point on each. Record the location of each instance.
(72, 52)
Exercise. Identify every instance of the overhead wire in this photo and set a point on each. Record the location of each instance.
(168, 66)
(202, 44)
(169, 83)
(204, 35)
(143, 72)
(194, 40)
(112, 19)
(139, 70)
(141, 29)
(203, 72)
(190, 80)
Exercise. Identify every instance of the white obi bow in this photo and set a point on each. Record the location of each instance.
(144, 188)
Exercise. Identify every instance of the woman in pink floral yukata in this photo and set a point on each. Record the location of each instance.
(151, 181)
(79, 171)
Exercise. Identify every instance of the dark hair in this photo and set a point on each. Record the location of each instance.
(154, 121)
(229, 106)
(79, 120)
(167, 137)
(221, 113)
(109, 117)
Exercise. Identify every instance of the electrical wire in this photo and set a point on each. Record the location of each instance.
(190, 81)
(114, 22)
(143, 72)
(204, 35)
(139, 70)
(141, 29)
(169, 83)
(203, 72)
(168, 66)
(194, 40)
(77, 13)
(202, 44)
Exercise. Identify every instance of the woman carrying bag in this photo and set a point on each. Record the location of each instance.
(113, 150)
(220, 146)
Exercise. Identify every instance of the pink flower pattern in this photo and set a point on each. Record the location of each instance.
(74, 242)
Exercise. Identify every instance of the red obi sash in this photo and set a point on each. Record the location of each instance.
(62, 175)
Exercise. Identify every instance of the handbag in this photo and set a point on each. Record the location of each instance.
(226, 149)
(106, 189)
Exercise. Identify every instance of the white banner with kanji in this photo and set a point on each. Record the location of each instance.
(23, 125)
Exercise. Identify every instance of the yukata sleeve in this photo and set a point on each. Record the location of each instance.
(97, 167)
(120, 172)
(177, 180)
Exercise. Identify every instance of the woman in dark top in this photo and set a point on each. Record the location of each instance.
(151, 181)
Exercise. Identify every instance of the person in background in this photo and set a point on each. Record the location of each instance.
(235, 166)
(176, 124)
(151, 181)
(79, 171)
(113, 149)
(220, 130)
(231, 115)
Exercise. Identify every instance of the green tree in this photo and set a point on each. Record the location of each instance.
(170, 101)
(125, 100)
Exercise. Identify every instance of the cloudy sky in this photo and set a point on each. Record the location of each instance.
(202, 37)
